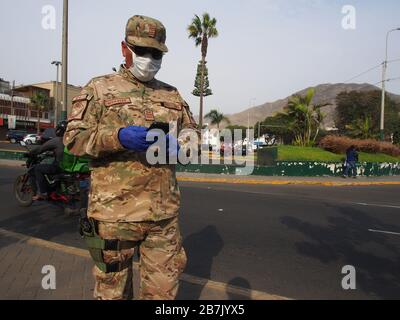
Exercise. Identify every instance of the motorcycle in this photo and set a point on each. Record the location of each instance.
(68, 191)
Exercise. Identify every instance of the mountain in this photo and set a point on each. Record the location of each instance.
(324, 93)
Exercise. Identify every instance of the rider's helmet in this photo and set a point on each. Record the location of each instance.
(61, 128)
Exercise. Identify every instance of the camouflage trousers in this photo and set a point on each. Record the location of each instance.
(162, 260)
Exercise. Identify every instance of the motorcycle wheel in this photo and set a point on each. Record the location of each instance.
(22, 195)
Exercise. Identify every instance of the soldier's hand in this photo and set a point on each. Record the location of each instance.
(134, 138)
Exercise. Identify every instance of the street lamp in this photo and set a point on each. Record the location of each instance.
(251, 104)
(65, 62)
(384, 69)
(57, 64)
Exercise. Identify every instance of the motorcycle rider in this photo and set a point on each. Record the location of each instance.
(38, 178)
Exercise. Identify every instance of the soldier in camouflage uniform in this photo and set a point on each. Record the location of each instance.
(131, 201)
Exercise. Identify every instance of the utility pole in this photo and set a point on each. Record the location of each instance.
(57, 64)
(384, 69)
(65, 62)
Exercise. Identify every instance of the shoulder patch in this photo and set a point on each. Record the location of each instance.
(78, 109)
(79, 106)
(116, 101)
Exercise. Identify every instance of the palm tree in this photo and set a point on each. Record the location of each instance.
(362, 128)
(39, 101)
(216, 117)
(201, 29)
(304, 118)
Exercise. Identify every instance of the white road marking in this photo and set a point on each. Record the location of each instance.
(297, 197)
(376, 205)
(386, 232)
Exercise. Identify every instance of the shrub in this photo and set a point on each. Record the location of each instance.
(339, 144)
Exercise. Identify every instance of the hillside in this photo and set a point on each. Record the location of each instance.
(324, 93)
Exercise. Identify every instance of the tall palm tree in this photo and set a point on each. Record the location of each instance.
(216, 117)
(304, 118)
(202, 29)
(39, 102)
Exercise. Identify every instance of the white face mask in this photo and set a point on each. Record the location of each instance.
(144, 68)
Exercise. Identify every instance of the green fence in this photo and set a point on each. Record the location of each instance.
(11, 155)
(296, 169)
(280, 168)
(315, 169)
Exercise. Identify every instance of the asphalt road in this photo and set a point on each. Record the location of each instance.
(291, 241)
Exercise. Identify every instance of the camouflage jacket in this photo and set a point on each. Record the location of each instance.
(124, 187)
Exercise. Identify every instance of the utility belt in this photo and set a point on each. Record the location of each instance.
(96, 246)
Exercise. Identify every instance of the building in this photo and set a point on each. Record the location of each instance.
(72, 91)
(5, 87)
(16, 102)
(17, 106)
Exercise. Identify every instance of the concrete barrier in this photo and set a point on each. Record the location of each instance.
(12, 155)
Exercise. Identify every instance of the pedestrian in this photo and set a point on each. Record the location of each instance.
(132, 205)
(351, 162)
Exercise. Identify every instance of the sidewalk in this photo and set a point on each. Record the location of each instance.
(22, 259)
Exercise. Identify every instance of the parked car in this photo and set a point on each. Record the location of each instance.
(16, 136)
(31, 139)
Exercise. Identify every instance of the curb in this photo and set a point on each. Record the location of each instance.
(287, 182)
(11, 150)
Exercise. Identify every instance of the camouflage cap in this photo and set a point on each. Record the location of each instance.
(143, 31)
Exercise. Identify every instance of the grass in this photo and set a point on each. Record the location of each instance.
(292, 153)
(377, 157)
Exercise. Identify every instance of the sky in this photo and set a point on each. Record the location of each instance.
(266, 49)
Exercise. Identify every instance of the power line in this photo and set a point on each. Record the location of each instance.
(365, 72)
(395, 60)
(388, 80)
(371, 69)
(393, 79)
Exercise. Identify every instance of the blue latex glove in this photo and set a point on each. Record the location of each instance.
(134, 138)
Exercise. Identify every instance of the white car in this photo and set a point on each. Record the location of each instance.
(31, 139)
